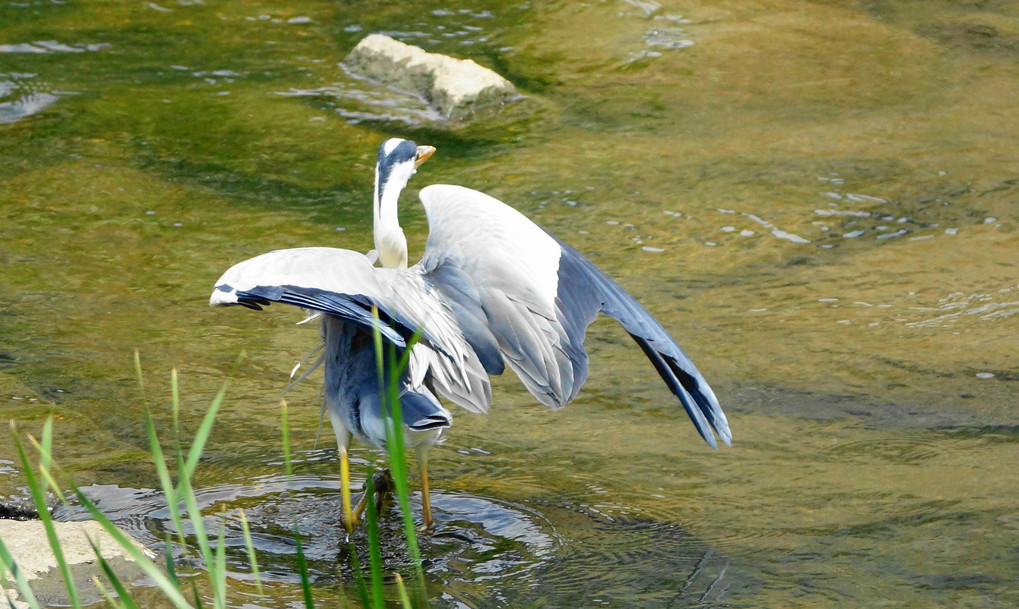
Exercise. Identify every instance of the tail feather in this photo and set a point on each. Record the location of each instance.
(422, 412)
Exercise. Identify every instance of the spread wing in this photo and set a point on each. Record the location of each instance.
(344, 284)
(524, 299)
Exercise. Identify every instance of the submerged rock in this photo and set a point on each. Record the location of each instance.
(26, 541)
(457, 88)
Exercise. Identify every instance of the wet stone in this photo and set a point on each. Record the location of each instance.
(26, 542)
(457, 88)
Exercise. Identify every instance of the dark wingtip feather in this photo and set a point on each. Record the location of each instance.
(352, 307)
(584, 291)
(701, 392)
(699, 402)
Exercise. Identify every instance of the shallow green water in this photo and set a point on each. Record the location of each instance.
(819, 199)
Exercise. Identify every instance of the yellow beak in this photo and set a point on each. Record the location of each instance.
(424, 153)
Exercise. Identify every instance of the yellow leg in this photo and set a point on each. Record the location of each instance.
(349, 518)
(382, 482)
(359, 508)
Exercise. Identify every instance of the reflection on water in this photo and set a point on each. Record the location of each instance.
(994, 306)
(817, 198)
(51, 46)
(481, 553)
(20, 97)
(367, 101)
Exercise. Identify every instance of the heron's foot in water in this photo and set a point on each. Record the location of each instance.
(383, 484)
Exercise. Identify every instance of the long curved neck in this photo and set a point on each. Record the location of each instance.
(390, 241)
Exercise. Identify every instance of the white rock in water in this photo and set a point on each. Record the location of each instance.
(27, 543)
(455, 87)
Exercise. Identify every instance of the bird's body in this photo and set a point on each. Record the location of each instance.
(352, 391)
(492, 290)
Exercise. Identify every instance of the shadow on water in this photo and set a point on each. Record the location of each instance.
(482, 552)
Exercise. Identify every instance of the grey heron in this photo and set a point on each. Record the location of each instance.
(492, 290)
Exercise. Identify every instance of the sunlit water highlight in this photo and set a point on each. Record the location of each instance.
(817, 199)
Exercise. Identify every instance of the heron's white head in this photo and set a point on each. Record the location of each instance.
(398, 160)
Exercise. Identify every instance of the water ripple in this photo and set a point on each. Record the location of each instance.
(475, 538)
(362, 100)
(21, 97)
(51, 46)
(957, 306)
(482, 551)
(892, 450)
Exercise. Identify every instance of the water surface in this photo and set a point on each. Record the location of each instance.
(818, 199)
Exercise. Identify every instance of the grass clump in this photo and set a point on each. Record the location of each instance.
(209, 546)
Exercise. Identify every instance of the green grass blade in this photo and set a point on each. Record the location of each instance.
(175, 399)
(202, 435)
(38, 491)
(171, 568)
(393, 413)
(219, 573)
(159, 459)
(47, 473)
(377, 340)
(185, 491)
(398, 463)
(165, 481)
(252, 558)
(167, 586)
(195, 516)
(302, 568)
(5, 584)
(198, 597)
(45, 458)
(125, 598)
(362, 584)
(288, 466)
(175, 425)
(402, 590)
(374, 544)
(138, 373)
(110, 601)
(214, 561)
(19, 578)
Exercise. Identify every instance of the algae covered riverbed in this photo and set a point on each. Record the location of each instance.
(818, 199)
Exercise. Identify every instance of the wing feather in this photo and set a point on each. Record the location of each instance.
(344, 284)
(334, 281)
(538, 296)
(673, 364)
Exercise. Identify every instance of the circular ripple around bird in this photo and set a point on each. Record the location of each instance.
(482, 552)
(628, 561)
(475, 538)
